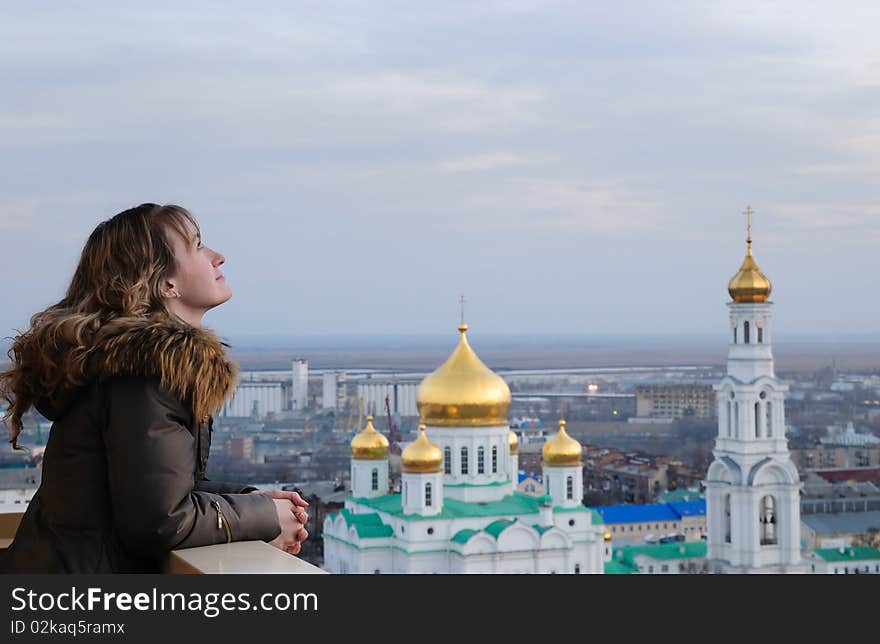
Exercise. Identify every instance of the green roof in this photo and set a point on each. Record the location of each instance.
(850, 553)
(512, 504)
(542, 528)
(463, 536)
(367, 526)
(681, 494)
(497, 527)
(619, 568)
(679, 550)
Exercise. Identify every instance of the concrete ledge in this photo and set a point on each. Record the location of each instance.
(240, 557)
(10, 518)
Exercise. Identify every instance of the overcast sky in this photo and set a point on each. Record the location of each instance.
(570, 169)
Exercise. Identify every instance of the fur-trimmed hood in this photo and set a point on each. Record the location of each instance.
(190, 362)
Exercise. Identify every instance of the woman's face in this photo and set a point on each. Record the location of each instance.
(197, 285)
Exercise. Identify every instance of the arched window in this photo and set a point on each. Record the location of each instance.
(375, 479)
(569, 487)
(734, 334)
(464, 460)
(729, 420)
(760, 335)
(736, 417)
(769, 408)
(494, 459)
(481, 460)
(447, 460)
(428, 499)
(726, 518)
(767, 520)
(757, 420)
(746, 332)
(405, 492)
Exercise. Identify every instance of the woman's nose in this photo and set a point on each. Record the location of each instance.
(218, 258)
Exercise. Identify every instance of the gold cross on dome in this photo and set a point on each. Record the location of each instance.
(461, 302)
(748, 213)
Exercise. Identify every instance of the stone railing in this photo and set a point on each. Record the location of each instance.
(238, 557)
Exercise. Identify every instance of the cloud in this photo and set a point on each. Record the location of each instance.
(481, 162)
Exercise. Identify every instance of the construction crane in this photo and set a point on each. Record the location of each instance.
(394, 436)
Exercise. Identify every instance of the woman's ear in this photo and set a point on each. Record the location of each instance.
(170, 290)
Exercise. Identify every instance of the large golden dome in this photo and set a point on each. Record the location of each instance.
(513, 441)
(421, 455)
(749, 284)
(463, 392)
(562, 449)
(369, 444)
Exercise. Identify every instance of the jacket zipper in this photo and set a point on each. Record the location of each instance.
(221, 521)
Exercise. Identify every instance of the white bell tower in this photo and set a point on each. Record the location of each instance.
(752, 486)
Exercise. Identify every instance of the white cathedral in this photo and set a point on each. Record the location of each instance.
(458, 510)
(752, 486)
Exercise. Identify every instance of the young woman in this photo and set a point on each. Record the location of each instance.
(130, 379)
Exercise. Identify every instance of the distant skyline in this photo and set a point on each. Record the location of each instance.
(572, 170)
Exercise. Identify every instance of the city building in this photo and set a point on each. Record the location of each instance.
(660, 559)
(633, 477)
(401, 396)
(832, 530)
(649, 523)
(299, 391)
(528, 484)
(842, 447)
(458, 510)
(858, 560)
(752, 486)
(675, 400)
(257, 399)
(242, 448)
(334, 394)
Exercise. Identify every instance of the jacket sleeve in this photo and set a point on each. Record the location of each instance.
(223, 487)
(151, 464)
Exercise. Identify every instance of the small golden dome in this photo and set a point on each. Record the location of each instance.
(421, 455)
(749, 285)
(562, 449)
(369, 444)
(513, 440)
(607, 536)
(463, 392)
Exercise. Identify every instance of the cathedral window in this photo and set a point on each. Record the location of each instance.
(760, 335)
(428, 499)
(447, 460)
(569, 487)
(481, 460)
(464, 460)
(577, 569)
(727, 518)
(494, 459)
(736, 416)
(746, 332)
(757, 420)
(734, 334)
(769, 408)
(768, 521)
(729, 420)
(375, 479)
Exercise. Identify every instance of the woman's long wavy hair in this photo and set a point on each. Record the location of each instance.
(120, 274)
